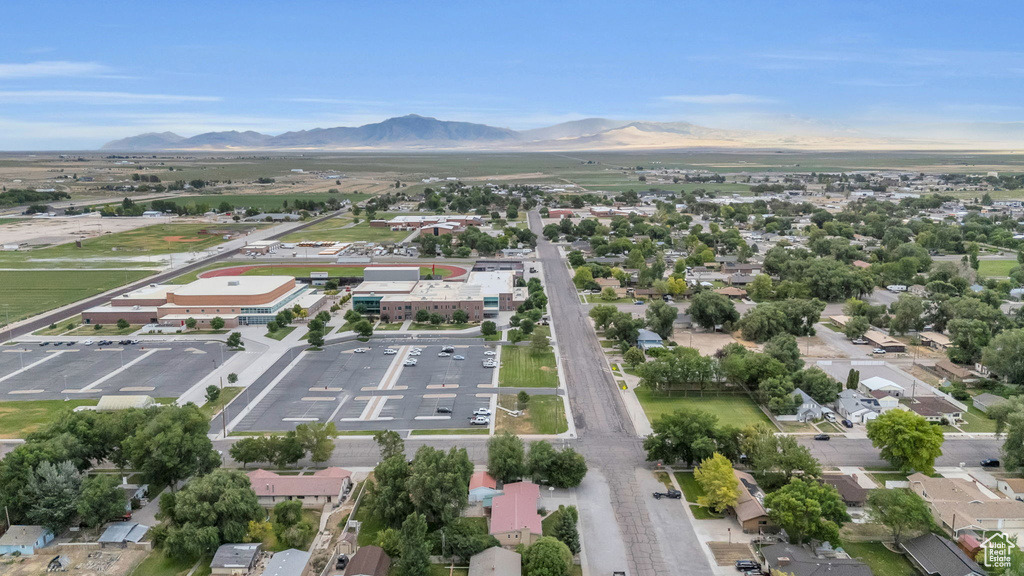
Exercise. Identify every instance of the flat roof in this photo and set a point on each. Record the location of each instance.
(233, 286)
(493, 282)
(385, 287)
(149, 291)
(438, 290)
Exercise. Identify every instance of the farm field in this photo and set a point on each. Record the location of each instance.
(522, 369)
(737, 411)
(30, 292)
(269, 202)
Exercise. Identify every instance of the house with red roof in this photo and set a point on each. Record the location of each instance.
(322, 487)
(482, 488)
(514, 517)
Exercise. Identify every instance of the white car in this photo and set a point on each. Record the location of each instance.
(482, 412)
(409, 362)
(361, 350)
(490, 365)
(458, 357)
(87, 343)
(415, 349)
(443, 354)
(878, 351)
(414, 353)
(390, 351)
(133, 341)
(490, 353)
(480, 420)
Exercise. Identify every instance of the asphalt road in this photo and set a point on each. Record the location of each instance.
(82, 305)
(859, 452)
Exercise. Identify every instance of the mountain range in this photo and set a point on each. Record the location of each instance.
(415, 132)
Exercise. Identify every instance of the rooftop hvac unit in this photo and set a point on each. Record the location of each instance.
(232, 282)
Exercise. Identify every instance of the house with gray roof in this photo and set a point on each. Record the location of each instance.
(290, 562)
(235, 559)
(646, 340)
(809, 409)
(119, 534)
(985, 401)
(936, 556)
(856, 407)
(496, 561)
(799, 561)
(25, 540)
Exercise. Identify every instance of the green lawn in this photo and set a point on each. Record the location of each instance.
(280, 333)
(688, 484)
(19, 418)
(882, 477)
(149, 240)
(227, 395)
(703, 513)
(880, 559)
(549, 524)
(423, 326)
(445, 570)
(267, 202)
(976, 421)
(61, 327)
(544, 414)
(736, 410)
(371, 524)
(996, 268)
(156, 564)
(31, 292)
(104, 330)
(391, 326)
(521, 368)
(271, 544)
(335, 230)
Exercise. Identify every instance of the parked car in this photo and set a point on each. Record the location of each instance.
(390, 351)
(409, 362)
(342, 562)
(69, 343)
(415, 353)
(489, 353)
(847, 423)
(443, 354)
(859, 341)
(822, 437)
(482, 412)
(480, 420)
(456, 357)
(490, 365)
(673, 494)
(638, 302)
(133, 341)
(990, 463)
(444, 410)
(448, 349)
(361, 350)
(87, 343)
(743, 565)
(878, 351)
(44, 343)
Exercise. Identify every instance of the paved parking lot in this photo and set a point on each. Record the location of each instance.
(161, 370)
(374, 391)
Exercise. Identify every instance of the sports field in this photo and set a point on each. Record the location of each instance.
(342, 230)
(30, 292)
(270, 202)
(731, 410)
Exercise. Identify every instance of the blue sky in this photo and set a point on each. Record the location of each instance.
(74, 75)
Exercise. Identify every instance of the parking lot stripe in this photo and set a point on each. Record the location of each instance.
(137, 389)
(318, 398)
(32, 365)
(441, 386)
(144, 355)
(432, 418)
(327, 389)
(440, 395)
(263, 394)
(26, 391)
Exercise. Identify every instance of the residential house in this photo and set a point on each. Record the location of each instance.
(741, 268)
(852, 493)
(646, 340)
(954, 372)
(323, 487)
(935, 409)
(25, 540)
(369, 561)
(119, 534)
(740, 279)
(799, 561)
(749, 509)
(839, 320)
(958, 504)
(809, 409)
(496, 561)
(607, 283)
(885, 401)
(986, 401)
(861, 264)
(235, 559)
(879, 384)
(936, 556)
(732, 292)
(1012, 487)
(935, 340)
(856, 407)
(514, 517)
(482, 488)
(917, 290)
(290, 562)
(884, 341)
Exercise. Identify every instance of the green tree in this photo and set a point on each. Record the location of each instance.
(565, 528)
(539, 344)
(856, 327)
(1005, 355)
(210, 510)
(761, 288)
(122, 324)
(785, 349)
(774, 460)
(389, 498)
(363, 328)
(602, 315)
(217, 323)
(488, 328)
(234, 340)
(460, 317)
(853, 379)
(634, 357)
(685, 435)
(232, 378)
(719, 483)
(540, 459)
(101, 500)
(506, 457)
(415, 556)
(248, 449)
(317, 438)
(906, 440)
(436, 319)
(661, 317)
(576, 259)
(907, 314)
(190, 323)
(526, 326)
(900, 510)
(1009, 417)
(289, 450)
(172, 446)
(547, 557)
(316, 338)
(567, 470)
(390, 444)
(212, 394)
(709, 309)
(807, 509)
(817, 384)
(608, 294)
(53, 490)
(523, 398)
(438, 483)
(583, 278)
(423, 316)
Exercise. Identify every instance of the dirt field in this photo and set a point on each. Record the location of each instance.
(53, 231)
(103, 563)
(707, 343)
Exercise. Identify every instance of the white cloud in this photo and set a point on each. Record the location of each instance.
(90, 97)
(717, 99)
(52, 69)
